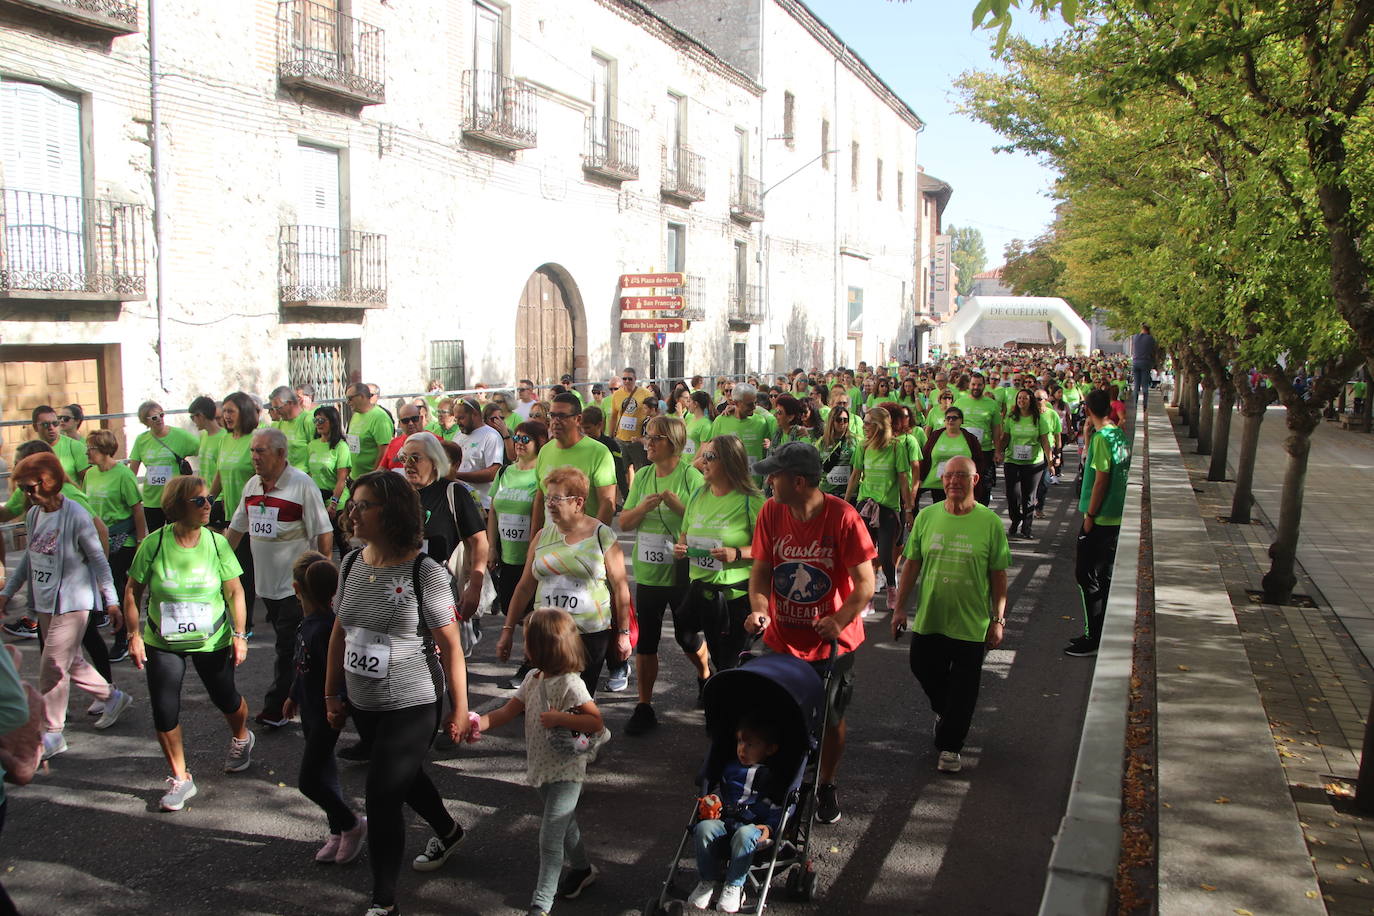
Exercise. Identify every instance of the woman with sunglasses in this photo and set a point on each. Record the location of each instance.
(881, 482)
(239, 415)
(195, 614)
(1026, 435)
(836, 446)
(935, 418)
(952, 442)
(447, 418)
(329, 462)
(508, 522)
(162, 449)
(653, 510)
(67, 575)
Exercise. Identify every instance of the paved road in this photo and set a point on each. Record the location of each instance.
(88, 839)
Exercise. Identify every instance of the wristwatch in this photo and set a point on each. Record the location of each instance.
(623, 632)
(1002, 621)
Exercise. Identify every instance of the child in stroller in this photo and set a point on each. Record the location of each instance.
(736, 818)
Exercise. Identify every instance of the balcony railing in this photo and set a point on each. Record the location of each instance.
(746, 199)
(683, 175)
(58, 247)
(321, 49)
(693, 302)
(499, 110)
(612, 149)
(319, 266)
(746, 303)
(110, 17)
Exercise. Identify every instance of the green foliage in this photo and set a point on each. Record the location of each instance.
(969, 254)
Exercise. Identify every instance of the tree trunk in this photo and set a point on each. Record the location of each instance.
(1221, 429)
(1181, 394)
(1194, 406)
(1205, 417)
(1178, 386)
(1278, 582)
(1254, 404)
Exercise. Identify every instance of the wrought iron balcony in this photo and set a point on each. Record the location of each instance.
(319, 266)
(109, 17)
(498, 110)
(746, 303)
(746, 199)
(683, 175)
(612, 149)
(58, 247)
(323, 50)
(693, 302)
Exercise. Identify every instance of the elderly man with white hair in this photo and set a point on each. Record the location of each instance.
(741, 419)
(282, 513)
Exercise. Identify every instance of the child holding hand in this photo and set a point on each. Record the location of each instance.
(563, 728)
(736, 818)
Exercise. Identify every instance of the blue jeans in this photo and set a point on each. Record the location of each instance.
(1140, 378)
(714, 839)
(558, 838)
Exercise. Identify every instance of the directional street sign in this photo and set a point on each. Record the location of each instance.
(641, 281)
(653, 325)
(651, 302)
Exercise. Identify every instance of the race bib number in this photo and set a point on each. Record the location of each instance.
(513, 527)
(940, 469)
(654, 549)
(367, 653)
(839, 475)
(690, 447)
(262, 522)
(186, 621)
(706, 562)
(976, 431)
(355, 444)
(629, 424)
(158, 476)
(565, 593)
(44, 567)
(1022, 452)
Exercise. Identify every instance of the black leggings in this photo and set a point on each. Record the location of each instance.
(166, 670)
(507, 578)
(1023, 480)
(400, 739)
(340, 542)
(319, 780)
(699, 612)
(650, 603)
(597, 647)
(889, 527)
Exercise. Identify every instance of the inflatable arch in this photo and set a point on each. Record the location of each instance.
(1056, 311)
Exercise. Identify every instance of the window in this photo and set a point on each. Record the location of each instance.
(486, 51)
(789, 115)
(741, 359)
(675, 250)
(44, 221)
(318, 216)
(854, 165)
(677, 359)
(741, 156)
(676, 106)
(878, 176)
(447, 364)
(825, 144)
(742, 268)
(901, 190)
(601, 101)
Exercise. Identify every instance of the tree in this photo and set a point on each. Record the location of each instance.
(1033, 269)
(969, 254)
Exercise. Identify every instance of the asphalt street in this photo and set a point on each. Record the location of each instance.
(87, 837)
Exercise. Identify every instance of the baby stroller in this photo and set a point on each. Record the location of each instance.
(786, 690)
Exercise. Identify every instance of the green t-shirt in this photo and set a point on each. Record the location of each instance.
(752, 430)
(323, 462)
(1025, 433)
(1072, 395)
(368, 436)
(660, 527)
(1108, 453)
(186, 610)
(856, 398)
(113, 495)
(298, 434)
(837, 465)
(956, 553)
(207, 453)
(235, 470)
(588, 456)
(945, 448)
(72, 453)
(880, 468)
(1006, 397)
(720, 521)
(698, 431)
(512, 499)
(1056, 422)
(159, 458)
(982, 417)
(15, 504)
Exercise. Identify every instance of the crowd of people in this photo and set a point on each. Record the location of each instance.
(763, 515)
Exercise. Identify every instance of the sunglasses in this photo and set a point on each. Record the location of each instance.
(153, 418)
(708, 456)
(561, 416)
(47, 424)
(63, 418)
(410, 419)
(522, 439)
(413, 458)
(627, 378)
(29, 488)
(200, 502)
(953, 417)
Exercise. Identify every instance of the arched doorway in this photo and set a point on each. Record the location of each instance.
(550, 328)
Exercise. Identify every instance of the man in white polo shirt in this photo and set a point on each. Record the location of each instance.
(484, 450)
(281, 510)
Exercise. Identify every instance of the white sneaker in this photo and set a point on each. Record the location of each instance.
(54, 743)
(869, 610)
(618, 680)
(240, 753)
(731, 896)
(115, 706)
(178, 791)
(949, 762)
(700, 897)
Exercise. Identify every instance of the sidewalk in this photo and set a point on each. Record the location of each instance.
(1310, 665)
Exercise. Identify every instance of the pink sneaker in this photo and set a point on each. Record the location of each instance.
(351, 842)
(329, 850)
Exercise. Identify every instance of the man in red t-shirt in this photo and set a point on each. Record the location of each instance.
(812, 577)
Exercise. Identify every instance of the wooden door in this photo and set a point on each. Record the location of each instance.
(53, 376)
(543, 332)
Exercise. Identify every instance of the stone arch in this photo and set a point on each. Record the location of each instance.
(1059, 313)
(550, 327)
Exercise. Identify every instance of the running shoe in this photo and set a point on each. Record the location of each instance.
(115, 707)
(700, 897)
(351, 842)
(96, 709)
(378, 910)
(329, 850)
(54, 743)
(731, 897)
(643, 719)
(1081, 647)
(575, 881)
(827, 804)
(240, 754)
(271, 720)
(24, 628)
(102, 620)
(437, 850)
(618, 678)
(178, 791)
(119, 651)
(949, 762)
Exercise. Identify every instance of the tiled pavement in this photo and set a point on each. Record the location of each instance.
(1310, 664)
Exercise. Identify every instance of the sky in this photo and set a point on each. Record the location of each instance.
(919, 48)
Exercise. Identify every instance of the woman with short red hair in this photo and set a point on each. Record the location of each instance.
(68, 576)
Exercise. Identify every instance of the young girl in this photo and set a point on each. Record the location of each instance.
(553, 696)
(315, 580)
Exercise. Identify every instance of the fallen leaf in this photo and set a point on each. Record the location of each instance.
(1184, 668)
(1243, 912)
(834, 849)
(1208, 887)
(1311, 895)
(1223, 800)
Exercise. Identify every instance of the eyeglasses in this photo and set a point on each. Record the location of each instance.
(951, 416)
(47, 424)
(29, 488)
(709, 456)
(561, 416)
(63, 418)
(153, 418)
(410, 419)
(958, 475)
(200, 502)
(413, 458)
(522, 439)
(657, 438)
(361, 505)
(560, 499)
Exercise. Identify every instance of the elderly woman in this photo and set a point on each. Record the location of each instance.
(654, 511)
(113, 493)
(446, 417)
(196, 615)
(393, 654)
(512, 507)
(451, 514)
(574, 564)
(160, 450)
(67, 575)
